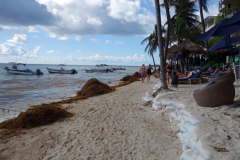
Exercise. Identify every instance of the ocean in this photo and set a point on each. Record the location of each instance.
(19, 92)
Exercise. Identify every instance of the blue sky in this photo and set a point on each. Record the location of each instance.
(78, 31)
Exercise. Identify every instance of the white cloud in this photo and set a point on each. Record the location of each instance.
(18, 38)
(117, 42)
(212, 9)
(79, 51)
(36, 36)
(107, 41)
(1, 28)
(78, 38)
(124, 9)
(8, 48)
(32, 29)
(51, 51)
(107, 58)
(92, 40)
(94, 21)
(95, 2)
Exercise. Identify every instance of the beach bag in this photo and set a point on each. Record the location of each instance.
(139, 76)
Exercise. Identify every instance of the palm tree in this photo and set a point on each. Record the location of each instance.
(160, 44)
(185, 10)
(203, 6)
(152, 43)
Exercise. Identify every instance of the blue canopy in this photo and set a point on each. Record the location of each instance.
(224, 43)
(233, 20)
(236, 49)
(178, 57)
(61, 65)
(219, 30)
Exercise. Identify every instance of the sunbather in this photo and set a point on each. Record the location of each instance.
(186, 75)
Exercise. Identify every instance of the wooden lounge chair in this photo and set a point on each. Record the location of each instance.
(189, 80)
(219, 93)
(227, 75)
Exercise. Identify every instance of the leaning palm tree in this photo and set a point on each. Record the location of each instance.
(203, 6)
(152, 41)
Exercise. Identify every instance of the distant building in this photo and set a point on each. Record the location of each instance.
(225, 7)
(209, 23)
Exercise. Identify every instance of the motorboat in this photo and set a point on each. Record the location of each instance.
(15, 69)
(120, 68)
(61, 70)
(97, 69)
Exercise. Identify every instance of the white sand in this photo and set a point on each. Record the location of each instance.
(111, 126)
(222, 122)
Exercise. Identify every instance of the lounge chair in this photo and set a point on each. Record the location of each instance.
(189, 80)
(225, 75)
(216, 94)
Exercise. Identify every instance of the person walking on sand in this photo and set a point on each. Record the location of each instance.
(149, 73)
(142, 72)
(169, 69)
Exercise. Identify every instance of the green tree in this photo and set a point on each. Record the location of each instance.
(185, 11)
(152, 41)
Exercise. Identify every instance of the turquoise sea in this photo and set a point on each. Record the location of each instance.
(19, 92)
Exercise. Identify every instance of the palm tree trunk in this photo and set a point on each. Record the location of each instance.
(154, 63)
(160, 45)
(168, 29)
(203, 26)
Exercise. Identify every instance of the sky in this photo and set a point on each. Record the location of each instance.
(79, 32)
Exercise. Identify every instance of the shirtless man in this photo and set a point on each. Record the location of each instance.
(142, 72)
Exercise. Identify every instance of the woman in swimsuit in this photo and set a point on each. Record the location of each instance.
(169, 68)
(149, 68)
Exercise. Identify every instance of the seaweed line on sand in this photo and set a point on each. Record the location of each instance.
(45, 114)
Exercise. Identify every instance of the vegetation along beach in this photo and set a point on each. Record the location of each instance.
(120, 79)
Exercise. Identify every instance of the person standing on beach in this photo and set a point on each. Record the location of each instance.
(142, 72)
(169, 69)
(149, 73)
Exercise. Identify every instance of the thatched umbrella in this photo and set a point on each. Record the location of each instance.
(171, 53)
(188, 47)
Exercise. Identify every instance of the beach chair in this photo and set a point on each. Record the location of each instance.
(221, 76)
(195, 77)
(215, 94)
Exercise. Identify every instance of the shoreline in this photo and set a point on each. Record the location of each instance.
(114, 125)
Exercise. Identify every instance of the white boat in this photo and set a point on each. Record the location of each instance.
(62, 70)
(97, 69)
(15, 69)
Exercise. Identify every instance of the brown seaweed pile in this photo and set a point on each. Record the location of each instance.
(45, 114)
(128, 80)
(93, 87)
(37, 116)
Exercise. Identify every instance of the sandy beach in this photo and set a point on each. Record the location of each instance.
(119, 125)
(111, 126)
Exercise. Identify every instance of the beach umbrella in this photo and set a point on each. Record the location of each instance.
(171, 53)
(235, 19)
(220, 30)
(187, 47)
(236, 49)
(178, 57)
(224, 43)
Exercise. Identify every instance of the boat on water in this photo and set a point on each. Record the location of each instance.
(16, 69)
(61, 70)
(120, 68)
(99, 69)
